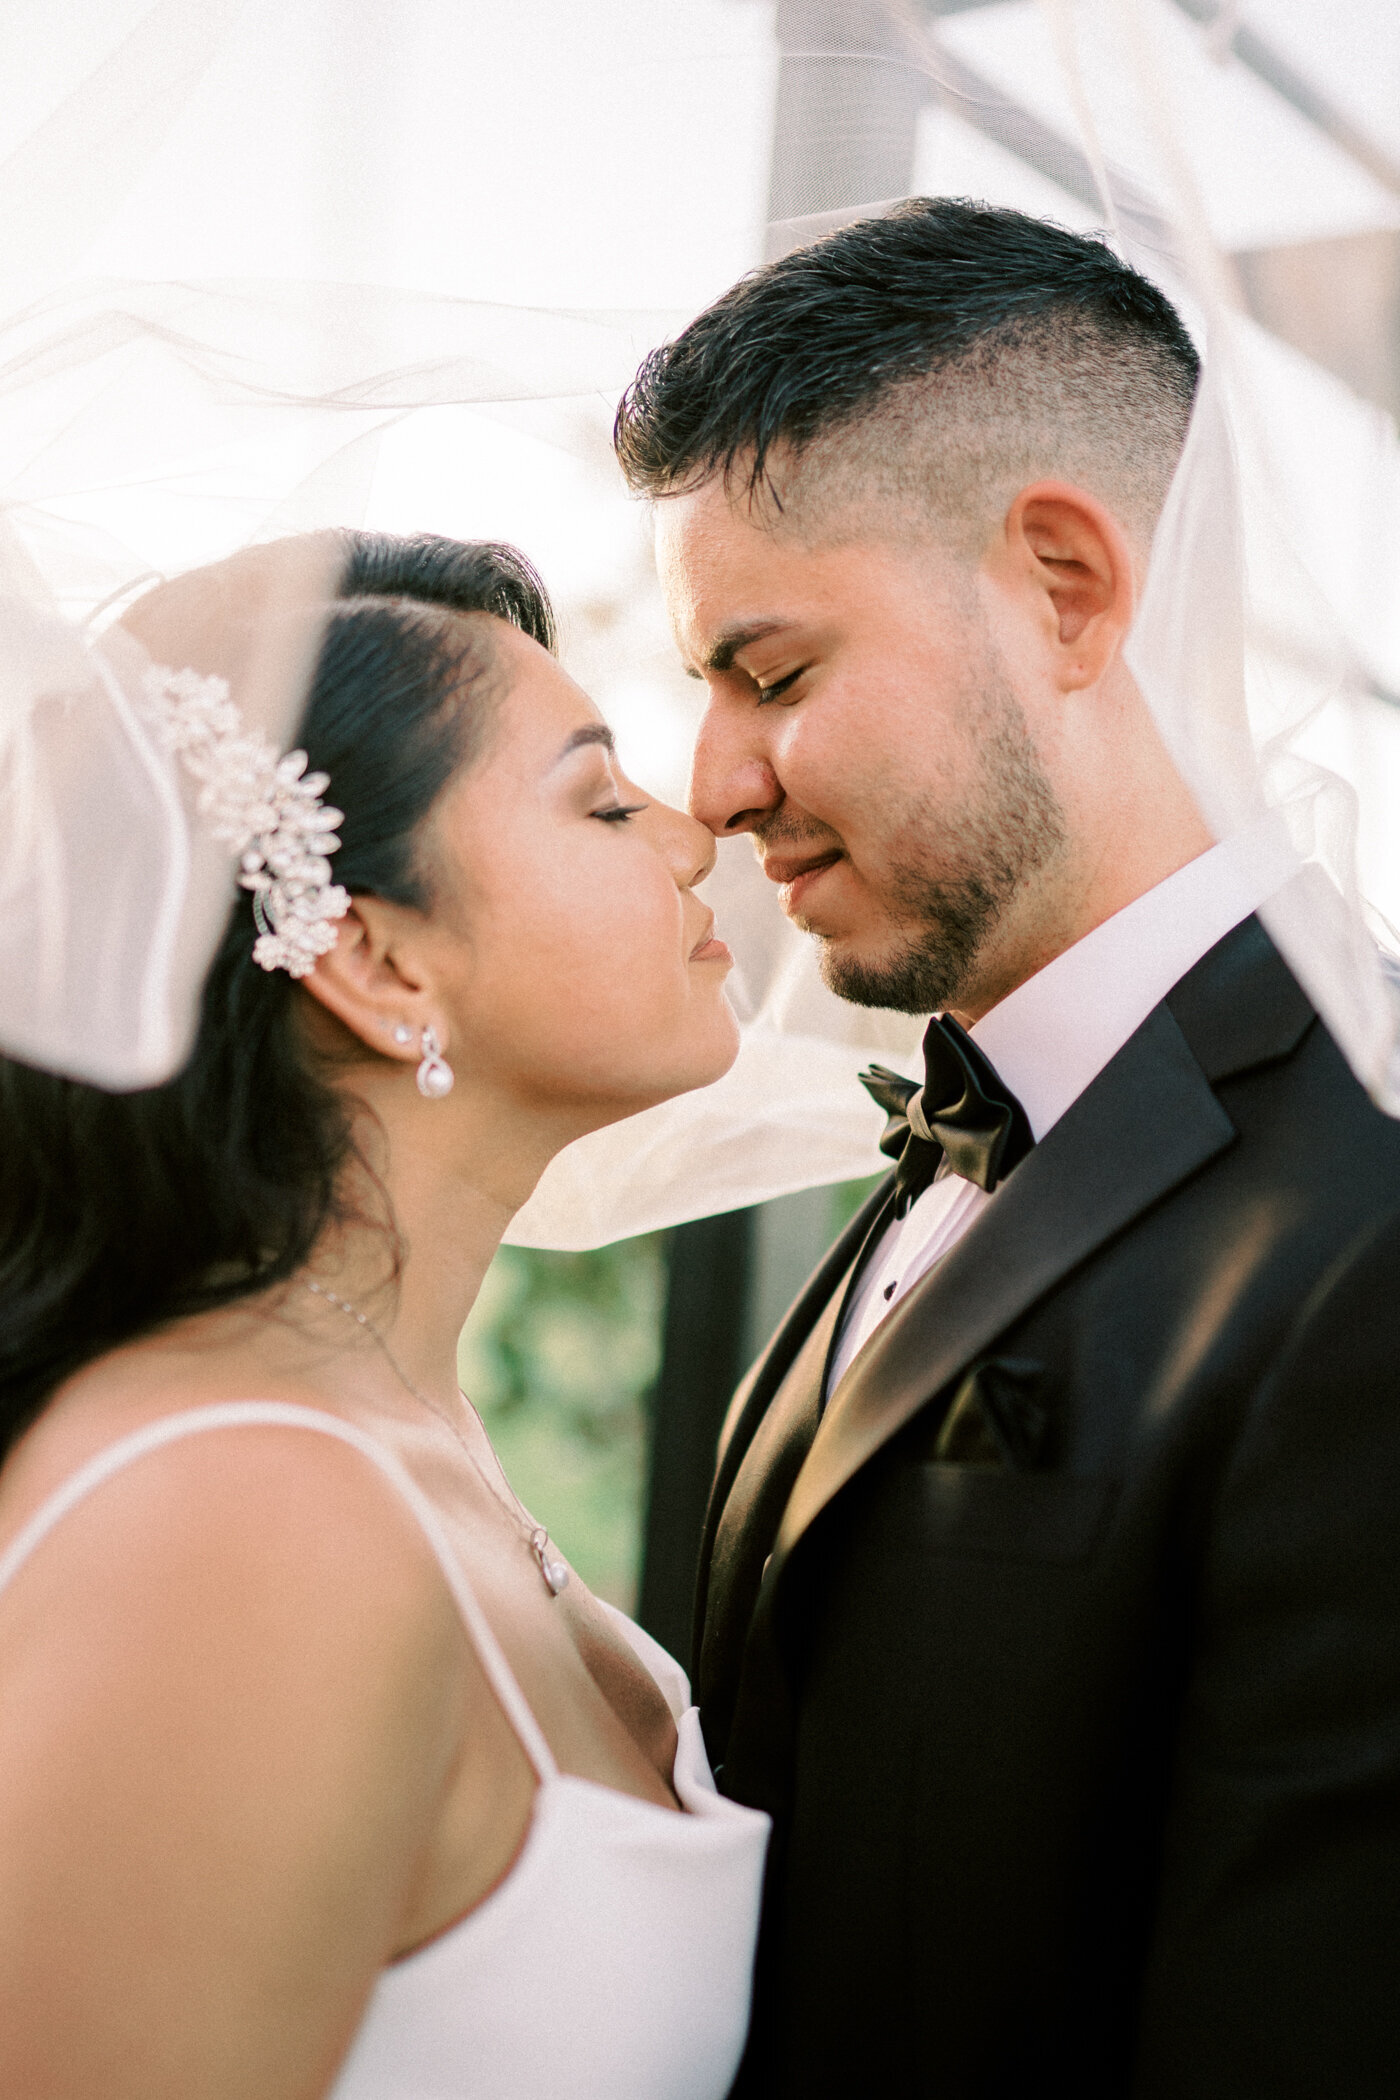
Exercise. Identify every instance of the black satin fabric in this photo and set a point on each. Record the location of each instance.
(964, 1112)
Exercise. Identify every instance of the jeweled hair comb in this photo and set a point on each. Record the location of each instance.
(267, 810)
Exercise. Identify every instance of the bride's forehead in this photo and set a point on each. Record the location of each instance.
(542, 707)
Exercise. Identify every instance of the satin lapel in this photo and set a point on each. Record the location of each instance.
(758, 1388)
(759, 1486)
(751, 1401)
(749, 1521)
(1146, 1123)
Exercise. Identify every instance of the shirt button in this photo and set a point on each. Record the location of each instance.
(890, 1289)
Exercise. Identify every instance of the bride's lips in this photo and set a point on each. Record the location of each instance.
(798, 874)
(710, 948)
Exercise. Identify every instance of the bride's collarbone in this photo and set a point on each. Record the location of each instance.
(602, 1712)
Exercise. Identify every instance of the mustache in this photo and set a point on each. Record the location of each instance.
(782, 833)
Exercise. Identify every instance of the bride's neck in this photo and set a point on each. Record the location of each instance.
(445, 1181)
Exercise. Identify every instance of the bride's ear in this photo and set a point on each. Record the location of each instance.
(368, 981)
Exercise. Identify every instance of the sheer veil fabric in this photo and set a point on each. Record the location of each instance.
(264, 269)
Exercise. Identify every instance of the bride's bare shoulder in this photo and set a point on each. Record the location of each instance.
(245, 1491)
(187, 1366)
(257, 1516)
(236, 1684)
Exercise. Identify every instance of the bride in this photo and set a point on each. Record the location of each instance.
(320, 1773)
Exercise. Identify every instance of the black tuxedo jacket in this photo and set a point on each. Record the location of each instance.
(1066, 1651)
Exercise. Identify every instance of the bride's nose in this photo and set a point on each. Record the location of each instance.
(687, 845)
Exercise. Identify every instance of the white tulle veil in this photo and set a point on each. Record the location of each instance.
(270, 268)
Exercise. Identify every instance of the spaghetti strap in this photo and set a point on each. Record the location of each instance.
(238, 1414)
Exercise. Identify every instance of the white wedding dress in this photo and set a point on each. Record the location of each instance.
(613, 1961)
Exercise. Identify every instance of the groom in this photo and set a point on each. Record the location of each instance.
(1050, 1593)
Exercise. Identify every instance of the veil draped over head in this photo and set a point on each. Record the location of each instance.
(264, 269)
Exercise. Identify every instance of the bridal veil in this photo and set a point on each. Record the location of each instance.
(331, 262)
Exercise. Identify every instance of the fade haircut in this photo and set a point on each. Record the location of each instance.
(936, 358)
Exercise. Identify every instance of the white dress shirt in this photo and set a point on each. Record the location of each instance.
(1055, 1033)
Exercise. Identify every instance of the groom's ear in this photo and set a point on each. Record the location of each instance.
(1068, 552)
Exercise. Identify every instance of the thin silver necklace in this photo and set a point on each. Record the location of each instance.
(554, 1570)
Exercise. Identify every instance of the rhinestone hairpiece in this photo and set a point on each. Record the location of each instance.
(267, 809)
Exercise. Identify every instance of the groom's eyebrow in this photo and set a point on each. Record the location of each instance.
(731, 642)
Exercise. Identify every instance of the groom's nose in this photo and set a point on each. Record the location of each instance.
(733, 786)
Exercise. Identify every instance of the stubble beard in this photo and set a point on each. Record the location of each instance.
(959, 870)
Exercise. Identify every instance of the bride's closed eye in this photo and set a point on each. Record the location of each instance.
(619, 813)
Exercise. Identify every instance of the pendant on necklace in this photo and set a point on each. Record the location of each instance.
(555, 1572)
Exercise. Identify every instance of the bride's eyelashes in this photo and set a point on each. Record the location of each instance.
(619, 813)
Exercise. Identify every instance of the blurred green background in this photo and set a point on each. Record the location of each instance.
(560, 1355)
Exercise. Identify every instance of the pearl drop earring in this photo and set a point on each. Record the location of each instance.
(435, 1074)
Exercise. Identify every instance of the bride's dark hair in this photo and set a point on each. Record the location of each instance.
(121, 1211)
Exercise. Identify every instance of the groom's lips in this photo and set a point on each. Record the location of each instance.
(797, 873)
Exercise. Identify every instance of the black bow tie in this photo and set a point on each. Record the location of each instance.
(962, 1112)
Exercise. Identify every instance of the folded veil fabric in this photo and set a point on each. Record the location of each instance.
(263, 269)
(113, 892)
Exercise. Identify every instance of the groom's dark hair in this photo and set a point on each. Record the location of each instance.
(940, 355)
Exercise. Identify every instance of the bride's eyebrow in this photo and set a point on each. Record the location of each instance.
(591, 733)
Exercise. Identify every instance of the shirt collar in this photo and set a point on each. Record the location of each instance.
(1052, 1036)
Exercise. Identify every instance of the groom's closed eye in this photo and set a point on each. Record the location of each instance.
(779, 686)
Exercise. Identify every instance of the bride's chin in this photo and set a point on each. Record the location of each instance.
(726, 1039)
(696, 1064)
